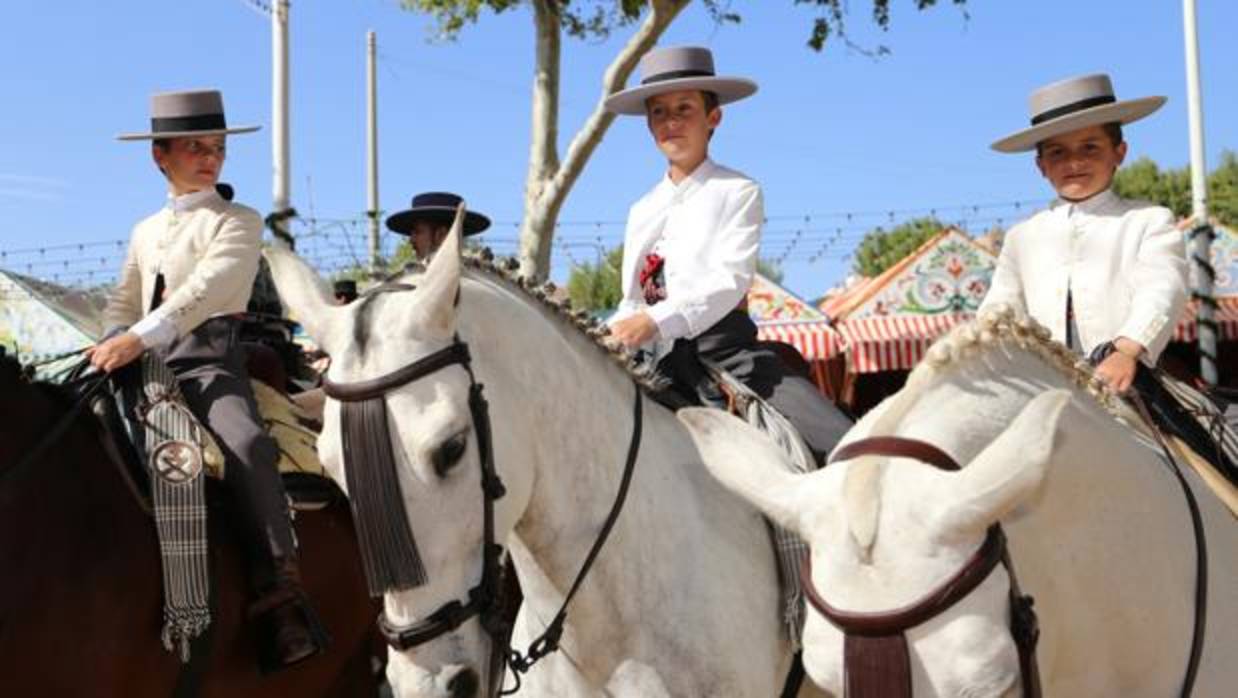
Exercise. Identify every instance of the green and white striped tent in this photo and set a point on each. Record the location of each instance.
(40, 320)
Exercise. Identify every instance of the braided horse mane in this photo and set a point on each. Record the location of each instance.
(504, 272)
(993, 327)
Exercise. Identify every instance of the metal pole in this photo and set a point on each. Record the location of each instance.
(1201, 231)
(279, 122)
(371, 143)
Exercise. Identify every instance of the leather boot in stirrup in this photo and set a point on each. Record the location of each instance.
(289, 631)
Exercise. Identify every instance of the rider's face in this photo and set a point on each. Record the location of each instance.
(191, 164)
(680, 125)
(1080, 164)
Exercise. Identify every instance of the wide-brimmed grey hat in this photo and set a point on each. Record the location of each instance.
(186, 113)
(676, 68)
(1072, 104)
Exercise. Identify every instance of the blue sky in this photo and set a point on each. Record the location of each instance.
(838, 140)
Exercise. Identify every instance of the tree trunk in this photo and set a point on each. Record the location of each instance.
(549, 181)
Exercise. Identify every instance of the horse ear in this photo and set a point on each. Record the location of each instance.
(749, 464)
(1008, 471)
(306, 295)
(436, 292)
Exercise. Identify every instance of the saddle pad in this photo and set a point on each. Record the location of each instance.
(287, 423)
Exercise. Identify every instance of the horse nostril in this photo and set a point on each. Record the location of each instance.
(464, 684)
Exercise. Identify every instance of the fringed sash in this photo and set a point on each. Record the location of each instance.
(173, 444)
(388, 550)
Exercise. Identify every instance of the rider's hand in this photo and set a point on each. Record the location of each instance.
(1118, 369)
(635, 330)
(116, 352)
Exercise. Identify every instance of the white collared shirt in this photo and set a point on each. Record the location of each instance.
(206, 248)
(1122, 262)
(707, 228)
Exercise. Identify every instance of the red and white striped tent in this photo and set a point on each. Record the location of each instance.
(781, 316)
(888, 322)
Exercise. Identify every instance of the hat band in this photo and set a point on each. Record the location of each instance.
(198, 122)
(1073, 107)
(676, 74)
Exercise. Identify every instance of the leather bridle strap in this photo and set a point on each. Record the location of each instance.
(932, 604)
(875, 643)
(52, 437)
(1201, 549)
(456, 353)
(898, 447)
(548, 641)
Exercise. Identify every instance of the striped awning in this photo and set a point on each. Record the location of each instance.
(898, 342)
(816, 341)
(1226, 318)
(895, 342)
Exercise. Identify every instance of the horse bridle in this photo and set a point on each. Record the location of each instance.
(485, 600)
(876, 661)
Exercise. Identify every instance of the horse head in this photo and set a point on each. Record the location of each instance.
(885, 531)
(434, 447)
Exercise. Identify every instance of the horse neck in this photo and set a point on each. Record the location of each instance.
(963, 406)
(69, 495)
(562, 420)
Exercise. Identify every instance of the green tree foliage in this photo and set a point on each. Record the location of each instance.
(597, 19)
(1171, 188)
(880, 249)
(595, 287)
(770, 270)
(551, 173)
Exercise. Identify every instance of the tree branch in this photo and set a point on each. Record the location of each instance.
(543, 200)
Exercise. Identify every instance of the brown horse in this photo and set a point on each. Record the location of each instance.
(80, 582)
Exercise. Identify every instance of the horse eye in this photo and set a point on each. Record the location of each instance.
(449, 453)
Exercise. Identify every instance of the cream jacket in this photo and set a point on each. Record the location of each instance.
(208, 254)
(710, 228)
(1122, 261)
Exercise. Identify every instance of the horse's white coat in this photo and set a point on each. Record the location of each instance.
(1098, 529)
(682, 601)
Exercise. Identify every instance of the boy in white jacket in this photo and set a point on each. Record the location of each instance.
(1094, 268)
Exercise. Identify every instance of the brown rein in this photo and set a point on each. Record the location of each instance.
(876, 660)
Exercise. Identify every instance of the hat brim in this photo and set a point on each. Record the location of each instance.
(403, 221)
(185, 134)
(1123, 112)
(632, 101)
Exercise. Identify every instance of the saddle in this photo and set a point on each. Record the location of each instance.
(296, 433)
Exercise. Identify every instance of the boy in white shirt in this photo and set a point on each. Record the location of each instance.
(690, 249)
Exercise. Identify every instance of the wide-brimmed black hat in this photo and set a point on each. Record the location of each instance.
(346, 288)
(436, 207)
(186, 113)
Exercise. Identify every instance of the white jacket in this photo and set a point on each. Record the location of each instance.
(207, 250)
(1123, 262)
(711, 228)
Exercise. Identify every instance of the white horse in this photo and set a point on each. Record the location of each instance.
(683, 599)
(1099, 529)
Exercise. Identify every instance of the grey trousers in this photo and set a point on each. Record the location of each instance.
(209, 364)
(732, 344)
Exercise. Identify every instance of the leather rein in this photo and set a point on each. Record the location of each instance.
(486, 599)
(876, 661)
